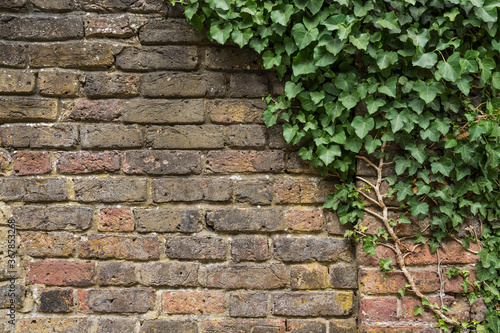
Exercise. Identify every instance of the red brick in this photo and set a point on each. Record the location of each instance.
(453, 285)
(193, 302)
(372, 281)
(379, 309)
(304, 219)
(32, 163)
(303, 190)
(116, 219)
(120, 247)
(107, 109)
(245, 161)
(87, 162)
(398, 329)
(60, 273)
(459, 308)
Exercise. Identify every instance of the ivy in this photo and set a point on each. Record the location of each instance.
(419, 76)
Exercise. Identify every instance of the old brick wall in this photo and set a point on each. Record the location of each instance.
(147, 194)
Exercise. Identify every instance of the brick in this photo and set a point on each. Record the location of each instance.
(276, 139)
(249, 85)
(478, 310)
(54, 325)
(379, 309)
(111, 136)
(11, 292)
(39, 136)
(372, 282)
(295, 249)
(158, 57)
(191, 189)
(16, 81)
(197, 248)
(108, 26)
(12, 4)
(231, 111)
(31, 163)
(248, 304)
(303, 190)
(116, 219)
(99, 110)
(116, 325)
(305, 326)
(13, 55)
(172, 84)
(277, 84)
(82, 162)
(70, 218)
(246, 219)
(257, 192)
(161, 162)
(119, 189)
(116, 300)
(244, 325)
(459, 308)
(169, 274)
(116, 274)
(246, 136)
(111, 85)
(60, 273)
(398, 329)
(5, 160)
(54, 5)
(47, 244)
(313, 304)
(295, 164)
(56, 300)
(58, 83)
(120, 247)
(33, 189)
(140, 6)
(171, 30)
(244, 276)
(186, 137)
(453, 285)
(312, 276)
(193, 302)
(343, 326)
(304, 219)
(249, 248)
(344, 276)
(163, 111)
(229, 161)
(171, 326)
(168, 220)
(84, 55)
(232, 58)
(41, 28)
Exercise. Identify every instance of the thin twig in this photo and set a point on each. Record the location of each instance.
(461, 243)
(366, 181)
(374, 214)
(369, 198)
(389, 246)
(367, 161)
(440, 274)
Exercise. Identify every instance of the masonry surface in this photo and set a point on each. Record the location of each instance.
(148, 196)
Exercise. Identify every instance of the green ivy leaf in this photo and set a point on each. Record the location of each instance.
(302, 36)
(221, 33)
(303, 64)
(327, 155)
(428, 92)
(389, 21)
(362, 126)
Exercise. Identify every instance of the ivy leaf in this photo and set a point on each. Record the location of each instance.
(242, 37)
(386, 59)
(419, 39)
(371, 144)
(449, 70)
(292, 89)
(289, 132)
(419, 153)
(389, 87)
(327, 155)
(385, 264)
(389, 21)
(282, 14)
(425, 60)
(221, 33)
(270, 59)
(362, 126)
(428, 92)
(418, 208)
(495, 80)
(361, 42)
(418, 310)
(349, 99)
(374, 104)
(303, 64)
(322, 57)
(404, 190)
(302, 36)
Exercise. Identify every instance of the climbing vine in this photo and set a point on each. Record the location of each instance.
(365, 79)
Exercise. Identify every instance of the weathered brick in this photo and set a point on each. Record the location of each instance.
(168, 220)
(84, 55)
(306, 326)
(199, 248)
(344, 276)
(31, 162)
(248, 304)
(120, 247)
(71, 218)
(159, 162)
(16, 81)
(56, 300)
(39, 136)
(11, 292)
(170, 274)
(398, 329)
(12, 4)
(191, 189)
(314, 304)
(295, 164)
(249, 248)
(54, 5)
(163, 111)
(303, 190)
(459, 308)
(158, 57)
(116, 219)
(47, 244)
(304, 219)
(245, 161)
(171, 326)
(13, 55)
(230, 111)
(249, 85)
(116, 300)
(108, 26)
(246, 219)
(378, 309)
(111, 136)
(110, 189)
(116, 274)
(244, 276)
(333, 225)
(54, 325)
(107, 109)
(186, 137)
(193, 302)
(140, 6)
(183, 84)
(87, 162)
(232, 58)
(55, 82)
(257, 192)
(111, 85)
(38, 28)
(343, 326)
(60, 273)
(246, 136)
(33, 189)
(371, 281)
(312, 276)
(5, 160)
(169, 31)
(276, 139)
(453, 285)
(244, 325)
(116, 325)
(312, 248)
